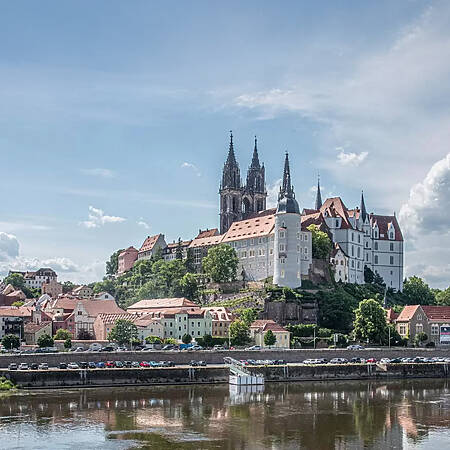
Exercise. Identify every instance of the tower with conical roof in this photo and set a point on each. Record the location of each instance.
(287, 258)
(318, 204)
(255, 194)
(363, 210)
(230, 191)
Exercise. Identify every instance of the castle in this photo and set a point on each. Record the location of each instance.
(277, 242)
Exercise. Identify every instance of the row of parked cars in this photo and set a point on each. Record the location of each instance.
(374, 360)
(95, 365)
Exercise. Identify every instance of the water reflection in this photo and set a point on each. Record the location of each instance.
(341, 415)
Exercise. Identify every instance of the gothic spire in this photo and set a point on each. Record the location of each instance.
(255, 159)
(231, 159)
(363, 207)
(286, 197)
(286, 188)
(318, 195)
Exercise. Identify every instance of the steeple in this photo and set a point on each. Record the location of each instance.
(255, 159)
(231, 159)
(318, 204)
(363, 207)
(286, 196)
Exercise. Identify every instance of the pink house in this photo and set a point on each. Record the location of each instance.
(127, 259)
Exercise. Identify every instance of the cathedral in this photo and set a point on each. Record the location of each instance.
(238, 201)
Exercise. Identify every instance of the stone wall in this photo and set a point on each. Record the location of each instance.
(183, 357)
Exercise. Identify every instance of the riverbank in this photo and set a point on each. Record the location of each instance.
(56, 378)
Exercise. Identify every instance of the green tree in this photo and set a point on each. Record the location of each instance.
(62, 335)
(16, 280)
(17, 304)
(249, 315)
(187, 338)
(239, 333)
(107, 285)
(189, 286)
(417, 292)
(179, 249)
(153, 340)
(443, 297)
(189, 262)
(221, 263)
(369, 276)
(85, 335)
(45, 340)
(208, 340)
(11, 341)
(68, 343)
(370, 322)
(269, 339)
(113, 264)
(170, 341)
(420, 338)
(68, 286)
(123, 332)
(321, 243)
(378, 279)
(336, 309)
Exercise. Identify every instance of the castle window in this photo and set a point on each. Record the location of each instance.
(391, 260)
(391, 246)
(298, 248)
(282, 248)
(282, 274)
(306, 237)
(252, 241)
(376, 246)
(271, 251)
(353, 263)
(282, 234)
(306, 250)
(376, 259)
(282, 260)
(359, 238)
(353, 236)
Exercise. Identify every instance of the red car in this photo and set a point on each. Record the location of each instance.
(110, 364)
(371, 360)
(144, 364)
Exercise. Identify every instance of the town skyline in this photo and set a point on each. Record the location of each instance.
(106, 145)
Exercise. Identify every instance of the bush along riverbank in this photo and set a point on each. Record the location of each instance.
(6, 385)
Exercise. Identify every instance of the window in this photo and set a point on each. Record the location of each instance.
(391, 260)
(298, 248)
(271, 251)
(434, 329)
(306, 250)
(353, 251)
(359, 238)
(282, 247)
(337, 223)
(391, 246)
(282, 260)
(419, 316)
(391, 235)
(283, 225)
(282, 234)
(306, 237)
(376, 259)
(353, 236)
(375, 246)
(419, 328)
(282, 274)
(353, 263)
(359, 252)
(402, 330)
(298, 275)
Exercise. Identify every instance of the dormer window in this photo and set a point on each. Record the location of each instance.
(337, 223)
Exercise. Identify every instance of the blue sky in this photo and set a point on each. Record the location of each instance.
(114, 118)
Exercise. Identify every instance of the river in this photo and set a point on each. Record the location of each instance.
(325, 415)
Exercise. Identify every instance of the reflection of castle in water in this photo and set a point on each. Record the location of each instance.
(342, 415)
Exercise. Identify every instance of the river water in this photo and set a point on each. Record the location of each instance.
(325, 415)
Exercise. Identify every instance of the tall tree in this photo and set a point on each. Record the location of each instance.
(11, 341)
(62, 335)
(443, 297)
(269, 338)
(179, 250)
(418, 292)
(221, 263)
(113, 264)
(249, 315)
(321, 243)
(370, 322)
(45, 340)
(123, 332)
(16, 280)
(239, 333)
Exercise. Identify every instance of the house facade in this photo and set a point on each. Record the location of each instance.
(126, 260)
(259, 328)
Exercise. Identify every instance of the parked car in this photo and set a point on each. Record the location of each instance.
(92, 365)
(73, 366)
(338, 361)
(254, 347)
(357, 360)
(395, 361)
(23, 366)
(79, 349)
(62, 365)
(100, 365)
(169, 347)
(84, 365)
(127, 363)
(385, 360)
(108, 348)
(135, 364)
(34, 366)
(12, 366)
(43, 366)
(371, 360)
(193, 363)
(118, 364)
(167, 364)
(202, 363)
(355, 347)
(144, 364)
(218, 347)
(196, 347)
(154, 364)
(312, 361)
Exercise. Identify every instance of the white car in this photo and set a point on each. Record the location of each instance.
(254, 347)
(73, 366)
(43, 366)
(339, 361)
(385, 360)
(23, 366)
(313, 361)
(355, 347)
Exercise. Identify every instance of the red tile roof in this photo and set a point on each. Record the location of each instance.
(34, 327)
(407, 312)
(334, 207)
(391, 315)
(257, 227)
(383, 223)
(161, 303)
(207, 241)
(207, 233)
(266, 325)
(96, 307)
(437, 313)
(149, 243)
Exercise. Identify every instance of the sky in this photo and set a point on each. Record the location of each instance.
(115, 119)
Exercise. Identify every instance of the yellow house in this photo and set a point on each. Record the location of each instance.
(259, 328)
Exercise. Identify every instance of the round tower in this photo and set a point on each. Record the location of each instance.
(287, 258)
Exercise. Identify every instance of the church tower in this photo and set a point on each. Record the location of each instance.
(318, 204)
(287, 261)
(230, 191)
(255, 194)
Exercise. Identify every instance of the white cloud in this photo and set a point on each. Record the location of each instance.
(351, 159)
(99, 172)
(142, 223)
(394, 103)
(272, 193)
(187, 165)
(97, 218)
(425, 220)
(9, 246)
